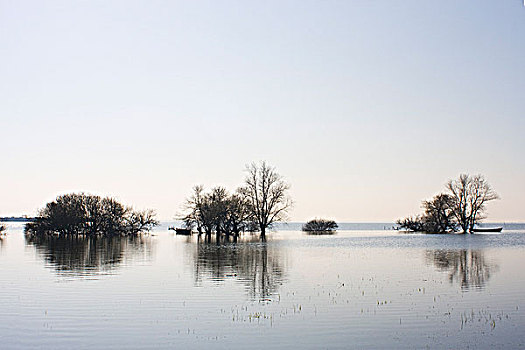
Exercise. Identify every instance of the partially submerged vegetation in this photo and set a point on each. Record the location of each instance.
(90, 215)
(217, 211)
(3, 228)
(460, 209)
(320, 226)
(255, 206)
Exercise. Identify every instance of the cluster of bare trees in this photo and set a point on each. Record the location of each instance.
(256, 206)
(216, 211)
(460, 208)
(85, 214)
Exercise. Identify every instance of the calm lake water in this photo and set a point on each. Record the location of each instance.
(365, 287)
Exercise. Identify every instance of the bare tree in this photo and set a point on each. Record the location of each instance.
(140, 221)
(266, 194)
(197, 211)
(470, 194)
(219, 199)
(238, 217)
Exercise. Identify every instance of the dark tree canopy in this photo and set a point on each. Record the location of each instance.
(320, 226)
(438, 215)
(85, 214)
(437, 218)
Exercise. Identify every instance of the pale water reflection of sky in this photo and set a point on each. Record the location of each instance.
(366, 107)
(357, 289)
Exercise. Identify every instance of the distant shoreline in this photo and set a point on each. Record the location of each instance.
(17, 219)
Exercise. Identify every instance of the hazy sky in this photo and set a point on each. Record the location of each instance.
(366, 107)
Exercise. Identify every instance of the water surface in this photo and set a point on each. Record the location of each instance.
(372, 288)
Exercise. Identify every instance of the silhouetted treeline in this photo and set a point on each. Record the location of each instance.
(320, 226)
(85, 214)
(460, 208)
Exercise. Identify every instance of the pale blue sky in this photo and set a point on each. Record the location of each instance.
(366, 107)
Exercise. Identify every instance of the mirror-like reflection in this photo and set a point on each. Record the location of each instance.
(88, 256)
(468, 268)
(258, 266)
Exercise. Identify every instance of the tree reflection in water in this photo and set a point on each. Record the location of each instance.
(469, 268)
(257, 265)
(88, 256)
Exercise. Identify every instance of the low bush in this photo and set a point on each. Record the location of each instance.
(320, 226)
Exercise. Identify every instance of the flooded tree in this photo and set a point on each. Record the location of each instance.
(197, 212)
(85, 214)
(266, 194)
(256, 206)
(461, 208)
(237, 217)
(320, 226)
(470, 194)
(3, 228)
(437, 218)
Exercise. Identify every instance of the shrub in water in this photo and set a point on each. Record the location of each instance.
(320, 226)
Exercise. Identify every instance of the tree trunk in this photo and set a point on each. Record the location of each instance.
(263, 233)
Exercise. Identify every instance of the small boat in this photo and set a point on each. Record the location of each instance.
(183, 231)
(487, 229)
